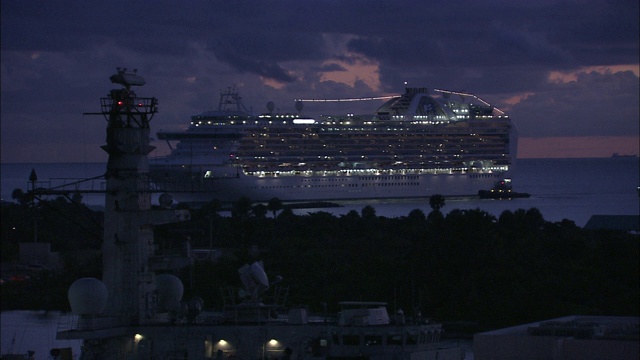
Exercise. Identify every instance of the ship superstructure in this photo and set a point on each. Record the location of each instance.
(417, 144)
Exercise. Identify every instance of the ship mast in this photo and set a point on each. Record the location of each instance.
(128, 237)
(112, 311)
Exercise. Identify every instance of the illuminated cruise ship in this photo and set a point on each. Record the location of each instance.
(417, 144)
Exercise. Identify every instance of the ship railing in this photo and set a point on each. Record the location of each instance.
(69, 322)
(63, 186)
(98, 184)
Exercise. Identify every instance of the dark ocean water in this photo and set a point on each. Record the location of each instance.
(573, 189)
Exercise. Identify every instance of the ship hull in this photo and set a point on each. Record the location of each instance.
(190, 188)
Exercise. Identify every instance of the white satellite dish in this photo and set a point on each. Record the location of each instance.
(258, 274)
(254, 279)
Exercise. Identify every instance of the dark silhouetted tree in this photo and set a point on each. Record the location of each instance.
(212, 208)
(19, 196)
(259, 211)
(369, 213)
(416, 215)
(436, 201)
(76, 198)
(286, 215)
(241, 208)
(274, 206)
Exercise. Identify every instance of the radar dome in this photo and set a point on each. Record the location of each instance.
(87, 296)
(170, 290)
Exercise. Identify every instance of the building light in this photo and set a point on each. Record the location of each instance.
(138, 337)
(273, 342)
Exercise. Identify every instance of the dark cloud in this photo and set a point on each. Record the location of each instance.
(456, 32)
(594, 104)
(332, 67)
(270, 70)
(57, 56)
(261, 53)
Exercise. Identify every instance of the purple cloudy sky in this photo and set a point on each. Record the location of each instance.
(566, 71)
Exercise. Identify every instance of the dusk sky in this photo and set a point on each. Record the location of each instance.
(565, 71)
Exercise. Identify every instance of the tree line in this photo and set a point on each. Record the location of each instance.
(466, 266)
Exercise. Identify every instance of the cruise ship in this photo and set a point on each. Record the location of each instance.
(420, 143)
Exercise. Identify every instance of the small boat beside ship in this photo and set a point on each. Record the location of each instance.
(502, 190)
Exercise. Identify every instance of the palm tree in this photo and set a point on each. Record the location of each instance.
(369, 212)
(17, 195)
(417, 215)
(211, 209)
(436, 201)
(274, 206)
(241, 208)
(259, 211)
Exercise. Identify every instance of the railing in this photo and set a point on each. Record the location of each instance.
(55, 186)
(69, 322)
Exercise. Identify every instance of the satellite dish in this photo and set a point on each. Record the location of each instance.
(170, 290)
(254, 279)
(299, 106)
(258, 274)
(270, 106)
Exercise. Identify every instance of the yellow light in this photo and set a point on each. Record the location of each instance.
(273, 342)
(137, 337)
(222, 342)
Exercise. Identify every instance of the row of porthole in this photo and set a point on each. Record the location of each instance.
(484, 176)
(338, 185)
(401, 177)
(392, 184)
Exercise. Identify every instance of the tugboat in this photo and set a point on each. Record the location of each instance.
(502, 190)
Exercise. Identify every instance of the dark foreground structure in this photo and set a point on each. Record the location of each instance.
(566, 338)
(134, 312)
